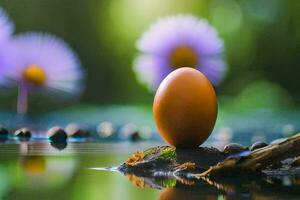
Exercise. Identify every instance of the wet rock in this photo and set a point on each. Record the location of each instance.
(105, 129)
(127, 131)
(59, 146)
(165, 159)
(74, 130)
(234, 148)
(131, 132)
(258, 145)
(23, 133)
(3, 134)
(296, 162)
(3, 131)
(57, 135)
(135, 136)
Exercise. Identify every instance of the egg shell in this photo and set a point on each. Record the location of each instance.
(185, 108)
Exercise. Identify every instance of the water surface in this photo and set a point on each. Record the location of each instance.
(37, 170)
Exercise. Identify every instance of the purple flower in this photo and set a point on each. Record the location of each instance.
(42, 62)
(179, 41)
(6, 26)
(6, 29)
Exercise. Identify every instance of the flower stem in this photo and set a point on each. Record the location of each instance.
(22, 103)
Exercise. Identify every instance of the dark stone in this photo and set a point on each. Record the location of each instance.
(73, 130)
(57, 135)
(165, 158)
(234, 148)
(60, 145)
(258, 145)
(3, 132)
(135, 136)
(23, 133)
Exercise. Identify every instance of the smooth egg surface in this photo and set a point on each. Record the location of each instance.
(185, 108)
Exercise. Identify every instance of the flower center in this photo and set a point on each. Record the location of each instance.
(183, 56)
(34, 75)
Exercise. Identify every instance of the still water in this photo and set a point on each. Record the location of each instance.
(37, 170)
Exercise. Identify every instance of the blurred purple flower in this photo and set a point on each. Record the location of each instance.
(43, 62)
(179, 41)
(6, 26)
(6, 29)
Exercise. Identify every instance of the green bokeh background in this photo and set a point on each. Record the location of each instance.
(262, 40)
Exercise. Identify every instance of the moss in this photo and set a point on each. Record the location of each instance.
(165, 152)
(168, 153)
(150, 151)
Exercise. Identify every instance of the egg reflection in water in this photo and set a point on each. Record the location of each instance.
(179, 194)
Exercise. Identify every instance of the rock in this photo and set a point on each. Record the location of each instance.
(234, 148)
(296, 162)
(135, 136)
(127, 131)
(73, 130)
(3, 132)
(203, 162)
(166, 158)
(23, 133)
(105, 129)
(60, 145)
(258, 145)
(57, 135)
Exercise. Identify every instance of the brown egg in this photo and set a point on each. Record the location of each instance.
(185, 108)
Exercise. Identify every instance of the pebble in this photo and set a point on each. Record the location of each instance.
(128, 131)
(57, 135)
(3, 131)
(296, 162)
(233, 148)
(74, 130)
(23, 133)
(258, 145)
(135, 136)
(105, 129)
(60, 146)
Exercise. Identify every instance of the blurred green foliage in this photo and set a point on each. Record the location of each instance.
(262, 40)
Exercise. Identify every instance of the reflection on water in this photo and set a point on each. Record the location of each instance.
(37, 170)
(250, 188)
(178, 194)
